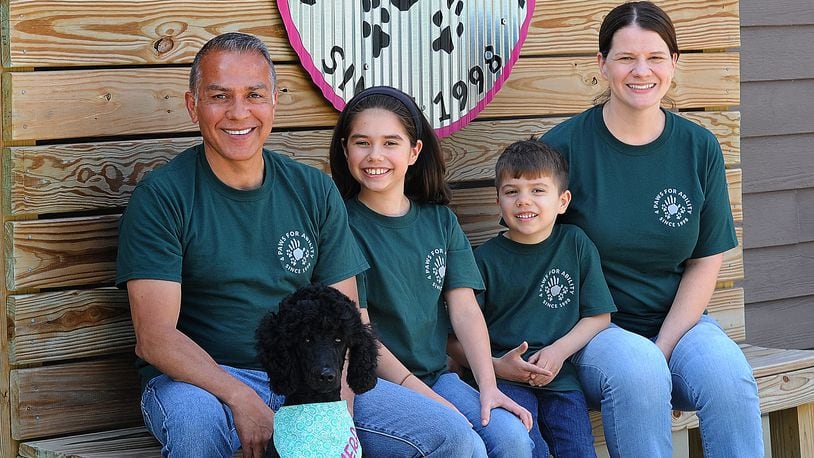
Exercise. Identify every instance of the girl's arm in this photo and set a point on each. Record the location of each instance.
(552, 357)
(693, 295)
(470, 328)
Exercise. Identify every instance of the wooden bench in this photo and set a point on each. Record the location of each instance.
(92, 99)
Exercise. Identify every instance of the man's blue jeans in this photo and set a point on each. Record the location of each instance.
(390, 420)
(627, 376)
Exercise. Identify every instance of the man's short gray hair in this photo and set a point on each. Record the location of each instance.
(230, 42)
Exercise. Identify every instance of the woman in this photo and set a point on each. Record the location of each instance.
(649, 189)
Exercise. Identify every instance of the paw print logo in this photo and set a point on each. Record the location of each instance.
(673, 207)
(445, 42)
(556, 289)
(379, 37)
(295, 252)
(435, 267)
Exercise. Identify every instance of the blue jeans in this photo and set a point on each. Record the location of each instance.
(561, 424)
(390, 420)
(626, 376)
(504, 436)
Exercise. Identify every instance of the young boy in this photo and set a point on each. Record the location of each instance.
(545, 297)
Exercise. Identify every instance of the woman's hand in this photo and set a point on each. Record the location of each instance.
(492, 398)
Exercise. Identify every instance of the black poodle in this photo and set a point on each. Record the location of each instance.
(302, 347)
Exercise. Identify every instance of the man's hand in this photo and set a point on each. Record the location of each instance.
(512, 367)
(254, 421)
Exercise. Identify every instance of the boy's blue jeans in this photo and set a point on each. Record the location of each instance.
(561, 424)
(390, 420)
(628, 377)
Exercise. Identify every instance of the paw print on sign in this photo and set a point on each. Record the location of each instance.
(444, 41)
(381, 39)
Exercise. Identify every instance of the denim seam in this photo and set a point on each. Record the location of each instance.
(392, 436)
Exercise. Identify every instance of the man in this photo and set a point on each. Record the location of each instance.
(216, 237)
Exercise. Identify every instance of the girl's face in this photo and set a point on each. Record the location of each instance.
(639, 68)
(378, 151)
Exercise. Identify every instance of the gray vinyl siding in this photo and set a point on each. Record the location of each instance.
(777, 144)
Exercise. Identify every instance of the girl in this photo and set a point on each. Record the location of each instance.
(649, 189)
(386, 161)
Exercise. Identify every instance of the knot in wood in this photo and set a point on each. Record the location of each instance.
(164, 45)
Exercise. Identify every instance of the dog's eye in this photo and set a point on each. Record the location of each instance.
(338, 340)
(307, 340)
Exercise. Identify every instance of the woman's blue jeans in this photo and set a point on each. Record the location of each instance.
(626, 376)
(390, 420)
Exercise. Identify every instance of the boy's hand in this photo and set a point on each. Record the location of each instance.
(491, 398)
(512, 367)
(551, 360)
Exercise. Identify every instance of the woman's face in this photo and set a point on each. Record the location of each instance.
(639, 68)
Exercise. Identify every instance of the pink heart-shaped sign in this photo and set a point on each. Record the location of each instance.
(451, 56)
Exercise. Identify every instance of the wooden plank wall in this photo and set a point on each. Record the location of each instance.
(92, 99)
(778, 139)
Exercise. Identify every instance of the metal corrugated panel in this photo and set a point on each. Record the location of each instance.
(452, 56)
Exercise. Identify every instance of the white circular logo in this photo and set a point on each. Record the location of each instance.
(672, 207)
(435, 267)
(557, 289)
(295, 252)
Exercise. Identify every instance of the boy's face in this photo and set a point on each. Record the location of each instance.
(529, 207)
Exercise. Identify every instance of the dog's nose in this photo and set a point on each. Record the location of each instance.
(327, 375)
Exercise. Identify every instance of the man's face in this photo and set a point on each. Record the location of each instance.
(235, 106)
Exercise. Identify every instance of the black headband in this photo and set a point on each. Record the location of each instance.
(405, 100)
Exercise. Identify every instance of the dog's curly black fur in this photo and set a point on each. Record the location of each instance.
(302, 346)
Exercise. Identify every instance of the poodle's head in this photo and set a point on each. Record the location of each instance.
(303, 345)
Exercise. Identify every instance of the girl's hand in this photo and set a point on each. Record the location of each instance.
(549, 359)
(492, 398)
(512, 367)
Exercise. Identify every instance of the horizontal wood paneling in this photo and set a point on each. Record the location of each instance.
(776, 12)
(99, 103)
(778, 162)
(780, 272)
(777, 53)
(68, 398)
(779, 218)
(782, 323)
(777, 108)
(73, 32)
(68, 325)
(58, 253)
(134, 442)
(89, 176)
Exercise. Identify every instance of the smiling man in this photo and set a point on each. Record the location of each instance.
(214, 239)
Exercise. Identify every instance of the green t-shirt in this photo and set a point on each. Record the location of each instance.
(235, 253)
(539, 292)
(647, 208)
(413, 258)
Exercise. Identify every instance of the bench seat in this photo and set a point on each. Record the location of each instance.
(785, 381)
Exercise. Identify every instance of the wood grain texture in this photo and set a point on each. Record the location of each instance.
(134, 442)
(776, 13)
(778, 162)
(777, 53)
(777, 108)
(68, 398)
(786, 390)
(100, 103)
(90, 176)
(791, 432)
(61, 33)
(58, 253)
(791, 315)
(69, 325)
(780, 272)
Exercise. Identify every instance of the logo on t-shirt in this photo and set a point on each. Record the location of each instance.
(673, 207)
(295, 252)
(435, 267)
(557, 288)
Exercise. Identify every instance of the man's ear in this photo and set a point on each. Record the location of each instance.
(189, 101)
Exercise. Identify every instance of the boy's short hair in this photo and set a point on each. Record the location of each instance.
(532, 158)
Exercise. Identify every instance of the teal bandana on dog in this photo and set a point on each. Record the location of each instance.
(323, 429)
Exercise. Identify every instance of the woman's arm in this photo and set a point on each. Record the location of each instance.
(693, 295)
